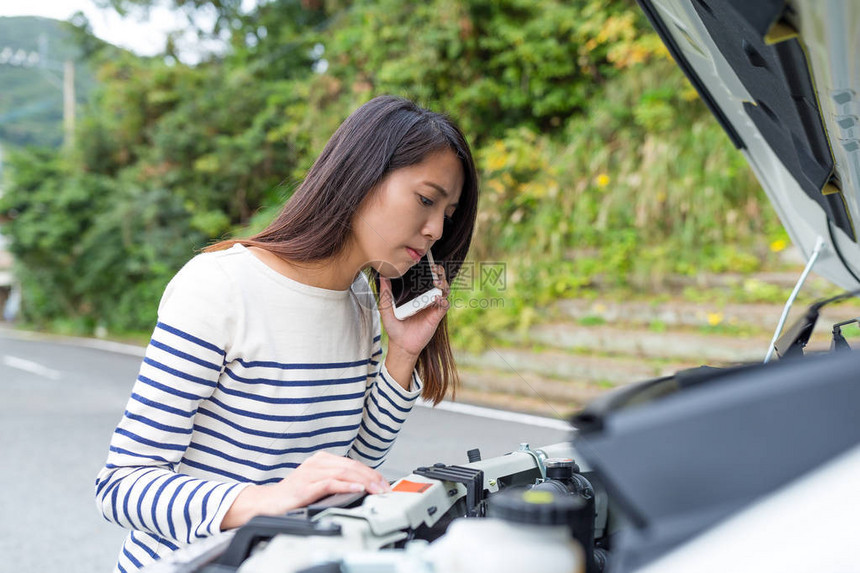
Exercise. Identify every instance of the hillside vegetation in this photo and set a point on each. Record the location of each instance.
(31, 95)
(601, 171)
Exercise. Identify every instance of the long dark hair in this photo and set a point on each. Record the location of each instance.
(383, 135)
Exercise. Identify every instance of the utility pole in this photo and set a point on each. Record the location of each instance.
(21, 58)
(69, 104)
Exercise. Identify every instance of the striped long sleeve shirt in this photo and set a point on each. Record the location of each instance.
(247, 374)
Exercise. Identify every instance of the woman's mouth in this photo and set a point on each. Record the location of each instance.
(416, 255)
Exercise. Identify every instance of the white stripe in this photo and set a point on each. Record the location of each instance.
(503, 415)
(31, 367)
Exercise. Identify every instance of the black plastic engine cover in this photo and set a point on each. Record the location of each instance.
(687, 459)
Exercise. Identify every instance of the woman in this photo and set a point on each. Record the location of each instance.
(263, 387)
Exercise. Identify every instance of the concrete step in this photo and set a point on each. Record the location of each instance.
(761, 317)
(533, 386)
(680, 345)
(601, 371)
(815, 286)
(517, 403)
(686, 346)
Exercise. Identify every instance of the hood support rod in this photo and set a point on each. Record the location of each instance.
(819, 246)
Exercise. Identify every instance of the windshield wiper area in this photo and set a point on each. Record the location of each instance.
(796, 337)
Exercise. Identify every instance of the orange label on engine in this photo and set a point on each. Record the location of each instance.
(411, 486)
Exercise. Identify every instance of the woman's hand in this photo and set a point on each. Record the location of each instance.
(320, 475)
(407, 338)
(412, 334)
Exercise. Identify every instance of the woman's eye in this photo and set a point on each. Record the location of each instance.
(425, 201)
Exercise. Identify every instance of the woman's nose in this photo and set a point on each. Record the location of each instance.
(434, 226)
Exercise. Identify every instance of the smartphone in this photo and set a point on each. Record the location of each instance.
(415, 291)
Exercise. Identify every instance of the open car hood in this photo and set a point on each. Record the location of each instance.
(783, 79)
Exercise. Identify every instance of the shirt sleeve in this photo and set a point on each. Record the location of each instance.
(386, 407)
(139, 487)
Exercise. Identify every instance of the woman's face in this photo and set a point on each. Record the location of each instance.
(400, 220)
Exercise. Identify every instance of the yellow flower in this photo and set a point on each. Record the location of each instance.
(714, 318)
(496, 186)
(778, 245)
(497, 162)
(602, 180)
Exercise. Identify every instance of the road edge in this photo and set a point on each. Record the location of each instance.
(138, 351)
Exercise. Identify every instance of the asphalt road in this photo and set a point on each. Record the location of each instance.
(59, 403)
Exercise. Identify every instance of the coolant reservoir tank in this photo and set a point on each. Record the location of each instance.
(527, 531)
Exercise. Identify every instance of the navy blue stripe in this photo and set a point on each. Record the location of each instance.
(262, 450)
(371, 458)
(374, 363)
(165, 541)
(112, 485)
(131, 558)
(125, 452)
(140, 544)
(298, 418)
(217, 471)
(203, 513)
(184, 355)
(220, 503)
(366, 444)
(377, 338)
(405, 410)
(394, 385)
(168, 389)
(375, 435)
(300, 366)
(179, 373)
(162, 407)
(156, 425)
(190, 338)
(380, 424)
(187, 512)
(100, 484)
(140, 501)
(128, 496)
(304, 400)
(146, 442)
(377, 353)
(294, 383)
(157, 497)
(113, 504)
(384, 411)
(121, 568)
(259, 466)
(170, 524)
(294, 435)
